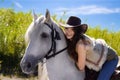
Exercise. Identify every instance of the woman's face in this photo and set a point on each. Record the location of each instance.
(69, 32)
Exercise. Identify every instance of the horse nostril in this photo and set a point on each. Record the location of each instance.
(29, 65)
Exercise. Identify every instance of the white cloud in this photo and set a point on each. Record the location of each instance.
(87, 10)
(18, 4)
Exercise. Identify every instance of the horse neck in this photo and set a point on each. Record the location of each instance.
(63, 56)
(61, 67)
(61, 44)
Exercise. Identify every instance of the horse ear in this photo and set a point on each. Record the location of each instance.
(47, 15)
(34, 16)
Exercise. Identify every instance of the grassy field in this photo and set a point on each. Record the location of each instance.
(16, 78)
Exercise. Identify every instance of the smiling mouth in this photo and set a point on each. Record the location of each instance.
(69, 36)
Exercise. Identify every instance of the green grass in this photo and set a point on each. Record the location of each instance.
(2, 77)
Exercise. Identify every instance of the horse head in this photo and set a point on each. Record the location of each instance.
(41, 38)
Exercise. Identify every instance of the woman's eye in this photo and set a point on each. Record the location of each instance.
(44, 35)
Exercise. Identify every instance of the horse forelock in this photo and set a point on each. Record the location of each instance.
(40, 19)
(32, 27)
(34, 24)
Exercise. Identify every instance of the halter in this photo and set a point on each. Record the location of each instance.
(54, 36)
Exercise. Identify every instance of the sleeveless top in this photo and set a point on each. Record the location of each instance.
(96, 53)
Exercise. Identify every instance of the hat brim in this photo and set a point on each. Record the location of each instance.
(83, 26)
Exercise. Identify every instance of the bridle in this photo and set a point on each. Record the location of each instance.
(54, 36)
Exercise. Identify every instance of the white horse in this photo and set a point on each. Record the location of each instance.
(46, 40)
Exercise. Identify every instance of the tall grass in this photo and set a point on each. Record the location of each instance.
(112, 38)
(12, 29)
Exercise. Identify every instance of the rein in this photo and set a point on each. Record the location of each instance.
(53, 45)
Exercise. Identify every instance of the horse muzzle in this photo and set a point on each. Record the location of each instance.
(28, 67)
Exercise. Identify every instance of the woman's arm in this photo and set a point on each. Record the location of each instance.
(80, 48)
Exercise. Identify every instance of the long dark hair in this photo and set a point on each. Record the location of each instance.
(72, 43)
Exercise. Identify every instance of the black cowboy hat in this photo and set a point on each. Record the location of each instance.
(74, 21)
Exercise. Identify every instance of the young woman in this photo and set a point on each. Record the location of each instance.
(88, 52)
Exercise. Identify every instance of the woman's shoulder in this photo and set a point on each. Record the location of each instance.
(83, 42)
(87, 37)
(88, 40)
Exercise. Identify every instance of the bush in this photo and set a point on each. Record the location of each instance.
(12, 29)
(112, 38)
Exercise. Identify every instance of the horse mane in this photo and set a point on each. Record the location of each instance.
(32, 27)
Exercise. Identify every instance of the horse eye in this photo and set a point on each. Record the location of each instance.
(44, 35)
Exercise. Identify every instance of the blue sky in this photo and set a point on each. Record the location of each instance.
(104, 13)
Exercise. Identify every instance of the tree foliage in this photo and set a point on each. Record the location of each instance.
(12, 29)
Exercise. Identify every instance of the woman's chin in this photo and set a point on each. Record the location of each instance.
(69, 37)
